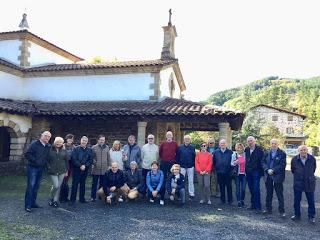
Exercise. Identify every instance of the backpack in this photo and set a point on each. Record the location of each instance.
(64, 191)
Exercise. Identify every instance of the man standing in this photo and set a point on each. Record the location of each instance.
(36, 155)
(254, 156)
(185, 157)
(149, 153)
(132, 152)
(274, 166)
(167, 154)
(303, 167)
(222, 163)
(101, 163)
(213, 180)
(81, 158)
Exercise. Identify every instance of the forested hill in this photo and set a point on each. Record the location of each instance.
(298, 95)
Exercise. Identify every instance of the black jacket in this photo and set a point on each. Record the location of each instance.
(37, 154)
(180, 183)
(303, 175)
(279, 165)
(113, 179)
(254, 160)
(81, 156)
(134, 180)
(222, 161)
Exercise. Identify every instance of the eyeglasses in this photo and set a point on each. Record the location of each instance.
(210, 143)
(151, 138)
(203, 146)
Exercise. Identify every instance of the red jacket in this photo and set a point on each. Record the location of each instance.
(204, 162)
(167, 151)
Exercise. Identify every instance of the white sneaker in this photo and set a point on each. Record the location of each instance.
(151, 200)
(209, 202)
(171, 197)
(120, 200)
(161, 202)
(201, 201)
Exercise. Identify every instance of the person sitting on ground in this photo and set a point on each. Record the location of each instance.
(155, 183)
(134, 181)
(203, 164)
(113, 184)
(176, 185)
(57, 165)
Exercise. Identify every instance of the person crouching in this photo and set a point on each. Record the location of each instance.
(176, 185)
(135, 182)
(155, 183)
(113, 184)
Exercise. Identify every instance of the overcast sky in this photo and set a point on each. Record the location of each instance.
(220, 45)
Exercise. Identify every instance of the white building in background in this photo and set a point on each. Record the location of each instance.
(290, 124)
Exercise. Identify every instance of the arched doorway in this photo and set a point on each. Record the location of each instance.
(5, 140)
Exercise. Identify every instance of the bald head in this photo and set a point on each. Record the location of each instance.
(274, 144)
(303, 151)
(223, 144)
(169, 136)
(251, 141)
(45, 137)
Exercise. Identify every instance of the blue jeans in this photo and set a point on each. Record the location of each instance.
(311, 203)
(95, 179)
(241, 187)
(253, 179)
(34, 176)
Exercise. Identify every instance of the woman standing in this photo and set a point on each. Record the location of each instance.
(116, 154)
(238, 160)
(57, 165)
(203, 165)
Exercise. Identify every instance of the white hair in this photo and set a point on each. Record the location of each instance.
(58, 139)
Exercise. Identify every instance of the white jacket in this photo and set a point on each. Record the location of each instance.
(149, 153)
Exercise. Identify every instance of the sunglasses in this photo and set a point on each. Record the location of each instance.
(203, 146)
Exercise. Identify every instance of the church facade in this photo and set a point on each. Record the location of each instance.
(44, 87)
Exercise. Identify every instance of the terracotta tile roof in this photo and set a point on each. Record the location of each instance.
(25, 34)
(280, 110)
(125, 64)
(165, 107)
(80, 66)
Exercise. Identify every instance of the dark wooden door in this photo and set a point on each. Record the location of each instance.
(4, 144)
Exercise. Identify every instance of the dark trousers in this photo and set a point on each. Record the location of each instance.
(278, 187)
(241, 187)
(165, 167)
(224, 181)
(78, 177)
(34, 176)
(311, 203)
(144, 173)
(161, 192)
(95, 179)
(253, 180)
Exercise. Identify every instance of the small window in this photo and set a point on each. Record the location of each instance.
(290, 118)
(274, 118)
(289, 130)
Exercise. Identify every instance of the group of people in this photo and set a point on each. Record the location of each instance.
(130, 172)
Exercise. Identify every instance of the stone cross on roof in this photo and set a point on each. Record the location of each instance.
(24, 23)
(170, 14)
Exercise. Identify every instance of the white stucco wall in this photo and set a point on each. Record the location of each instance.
(282, 123)
(10, 86)
(9, 50)
(40, 56)
(89, 88)
(164, 85)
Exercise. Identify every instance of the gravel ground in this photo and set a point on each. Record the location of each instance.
(142, 220)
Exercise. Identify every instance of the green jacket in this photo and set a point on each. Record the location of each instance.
(58, 161)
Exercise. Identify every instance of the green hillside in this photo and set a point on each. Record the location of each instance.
(298, 95)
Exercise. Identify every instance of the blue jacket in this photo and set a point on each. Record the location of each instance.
(37, 154)
(185, 156)
(154, 181)
(133, 153)
(112, 179)
(222, 160)
(179, 182)
(277, 164)
(81, 156)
